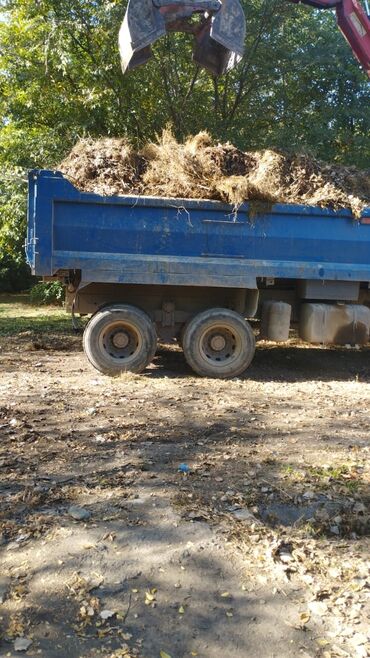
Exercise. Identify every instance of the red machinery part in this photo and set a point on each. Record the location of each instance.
(353, 23)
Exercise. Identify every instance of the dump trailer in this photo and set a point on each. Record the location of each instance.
(199, 272)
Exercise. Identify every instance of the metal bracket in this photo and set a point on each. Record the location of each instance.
(168, 314)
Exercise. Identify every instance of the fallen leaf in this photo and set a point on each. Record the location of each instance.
(225, 595)
(126, 636)
(304, 618)
(181, 610)
(163, 654)
(103, 633)
(149, 598)
(22, 644)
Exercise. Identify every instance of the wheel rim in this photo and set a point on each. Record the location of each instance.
(221, 345)
(121, 342)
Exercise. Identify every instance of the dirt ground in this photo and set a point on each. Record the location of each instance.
(260, 550)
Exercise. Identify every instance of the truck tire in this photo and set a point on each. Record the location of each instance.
(219, 343)
(120, 338)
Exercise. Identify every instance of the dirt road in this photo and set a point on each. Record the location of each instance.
(107, 549)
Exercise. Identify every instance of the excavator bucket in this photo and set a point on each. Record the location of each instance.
(219, 31)
(220, 46)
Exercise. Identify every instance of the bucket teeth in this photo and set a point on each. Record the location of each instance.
(219, 34)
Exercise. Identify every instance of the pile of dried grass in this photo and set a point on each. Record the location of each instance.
(199, 169)
(104, 166)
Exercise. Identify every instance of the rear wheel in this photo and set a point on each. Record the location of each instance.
(219, 343)
(120, 338)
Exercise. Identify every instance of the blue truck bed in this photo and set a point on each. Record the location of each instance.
(144, 240)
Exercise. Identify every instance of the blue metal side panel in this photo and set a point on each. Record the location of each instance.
(182, 242)
(134, 229)
(39, 247)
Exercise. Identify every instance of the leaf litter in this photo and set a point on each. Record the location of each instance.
(227, 475)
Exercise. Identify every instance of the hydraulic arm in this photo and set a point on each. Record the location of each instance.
(218, 27)
(353, 22)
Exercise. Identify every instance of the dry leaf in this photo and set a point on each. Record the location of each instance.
(22, 644)
(149, 598)
(126, 636)
(107, 614)
(304, 618)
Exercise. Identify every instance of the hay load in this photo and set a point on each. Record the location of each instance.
(201, 169)
(104, 166)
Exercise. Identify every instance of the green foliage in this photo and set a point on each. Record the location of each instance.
(14, 274)
(13, 200)
(60, 78)
(51, 292)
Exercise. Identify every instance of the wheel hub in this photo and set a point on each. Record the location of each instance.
(218, 343)
(120, 340)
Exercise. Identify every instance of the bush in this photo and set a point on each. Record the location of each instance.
(15, 275)
(52, 292)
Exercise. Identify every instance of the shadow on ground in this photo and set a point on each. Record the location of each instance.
(281, 444)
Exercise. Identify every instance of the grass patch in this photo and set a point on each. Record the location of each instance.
(293, 474)
(332, 472)
(325, 477)
(18, 315)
